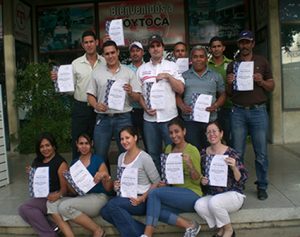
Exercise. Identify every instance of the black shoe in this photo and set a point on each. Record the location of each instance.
(262, 194)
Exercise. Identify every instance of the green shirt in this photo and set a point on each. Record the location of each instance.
(221, 68)
(193, 185)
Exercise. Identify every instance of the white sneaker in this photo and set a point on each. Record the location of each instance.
(192, 231)
(143, 236)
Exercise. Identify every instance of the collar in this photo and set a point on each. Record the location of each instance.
(193, 71)
(162, 59)
(84, 58)
(225, 60)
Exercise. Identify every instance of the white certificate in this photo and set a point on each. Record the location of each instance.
(183, 64)
(218, 171)
(244, 77)
(82, 177)
(199, 111)
(157, 95)
(129, 183)
(116, 96)
(174, 169)
(41, 182)
(65, 81)
(116, 32)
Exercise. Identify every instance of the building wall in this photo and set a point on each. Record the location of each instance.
(283, 124)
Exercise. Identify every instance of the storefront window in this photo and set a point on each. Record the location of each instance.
(290, 52)
(60, 29)
(208, 18)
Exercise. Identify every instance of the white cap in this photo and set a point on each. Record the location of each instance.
(136, 44)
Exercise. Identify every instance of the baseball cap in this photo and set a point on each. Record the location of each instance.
(136, 44)
(155, 38)
(247, 35)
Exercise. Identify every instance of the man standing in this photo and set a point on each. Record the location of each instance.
(219, 63)
(83, 115)
(165, 74)
(249, 112)
(136, 52)
(110, 121)
(200, 80)
(180, 50)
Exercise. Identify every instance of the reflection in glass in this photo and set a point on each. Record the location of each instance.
(290, 56)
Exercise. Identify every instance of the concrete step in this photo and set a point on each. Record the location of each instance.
(275, 222)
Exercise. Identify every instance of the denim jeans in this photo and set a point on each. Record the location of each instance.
(224, 115)
(166, 203)
(83, 121)
(195, 134)
(118, 211)
(155, 134)
(105, 128)
(255, 122)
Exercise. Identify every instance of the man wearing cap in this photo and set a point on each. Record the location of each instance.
(110, 120)
(161, 73)
(249, 112)
(136, 52)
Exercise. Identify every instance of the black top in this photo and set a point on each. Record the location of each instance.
(53, 165)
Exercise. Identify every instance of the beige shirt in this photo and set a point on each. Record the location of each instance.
(82, 73)
(99, 81)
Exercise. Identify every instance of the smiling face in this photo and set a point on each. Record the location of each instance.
(46, 149)
(156, 50)
(214, 135)
(177, 134)
(84, 146)
(111, 55)
(136, 54)
(128, 141)
(199, 60)
(89, 44)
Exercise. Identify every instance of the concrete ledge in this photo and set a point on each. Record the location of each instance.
(242, 220)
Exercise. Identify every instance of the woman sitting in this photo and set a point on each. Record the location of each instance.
(119, 210)
(82, 209)
(220, 201)
(34, 210)
(164, 203)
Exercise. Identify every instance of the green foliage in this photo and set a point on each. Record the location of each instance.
(46, 110)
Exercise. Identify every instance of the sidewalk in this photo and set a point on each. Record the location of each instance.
(284, 188)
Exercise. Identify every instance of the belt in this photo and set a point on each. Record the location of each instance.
(82, 103)
(255, 106)
(111, 115)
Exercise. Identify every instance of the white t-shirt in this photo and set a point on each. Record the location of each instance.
(147, 73)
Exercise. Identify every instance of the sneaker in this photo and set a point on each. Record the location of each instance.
(143, 236)
(192, 231)
(262, 194)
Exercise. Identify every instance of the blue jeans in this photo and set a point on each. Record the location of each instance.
(105, 128)
(155, 134)
(224, 115)
(118, 211)
(166, 203)
(195, 134)
(255, 122)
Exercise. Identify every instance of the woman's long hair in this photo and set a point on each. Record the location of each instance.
(49, 137)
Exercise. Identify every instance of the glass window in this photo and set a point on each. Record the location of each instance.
(290, 52)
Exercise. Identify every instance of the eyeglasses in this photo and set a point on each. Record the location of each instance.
(212, 132)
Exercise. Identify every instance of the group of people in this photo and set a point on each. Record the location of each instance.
(240, 113)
